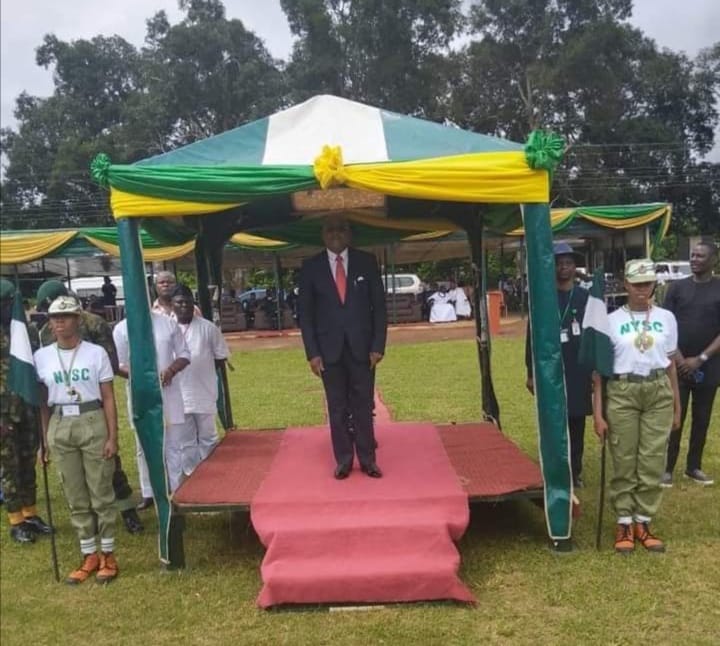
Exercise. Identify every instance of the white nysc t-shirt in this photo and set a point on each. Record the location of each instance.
(660, 326)
(198, 381)
(169, 345)
(84, 373)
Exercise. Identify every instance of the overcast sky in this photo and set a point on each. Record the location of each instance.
(687, 25)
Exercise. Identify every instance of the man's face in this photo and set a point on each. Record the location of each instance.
(183, 308)
(701, 259)
(336, 234)
(564, 268)
(165, 285)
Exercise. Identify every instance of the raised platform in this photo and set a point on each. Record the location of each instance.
(491, 468)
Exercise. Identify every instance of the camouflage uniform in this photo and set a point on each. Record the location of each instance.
(18, 442)
(95, 329)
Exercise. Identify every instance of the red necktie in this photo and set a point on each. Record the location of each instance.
(340, 278)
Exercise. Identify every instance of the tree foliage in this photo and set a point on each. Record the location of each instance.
(638, 119)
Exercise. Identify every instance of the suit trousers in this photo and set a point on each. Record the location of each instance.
(703, 396)
(576, 426)
(349, 392)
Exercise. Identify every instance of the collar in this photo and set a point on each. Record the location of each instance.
(343, 254)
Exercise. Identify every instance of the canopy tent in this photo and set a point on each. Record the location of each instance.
(267, 172)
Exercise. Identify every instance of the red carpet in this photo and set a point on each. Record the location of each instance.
(361, 540)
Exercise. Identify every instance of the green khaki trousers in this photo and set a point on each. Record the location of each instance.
(76, 446)
(639, 415)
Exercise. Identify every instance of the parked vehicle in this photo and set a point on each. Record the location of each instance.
(672, 270)
(404, 284)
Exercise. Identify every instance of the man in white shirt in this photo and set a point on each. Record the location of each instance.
(172, 356)
(165, 284)
(198, 382)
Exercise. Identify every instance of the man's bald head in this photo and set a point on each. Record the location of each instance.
(165, 283)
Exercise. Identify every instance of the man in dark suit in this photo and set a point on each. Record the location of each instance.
(344, 327)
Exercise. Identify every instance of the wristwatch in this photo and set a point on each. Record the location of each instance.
(703, 357)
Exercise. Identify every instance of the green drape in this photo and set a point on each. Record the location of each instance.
(548, 372)
(147, 405)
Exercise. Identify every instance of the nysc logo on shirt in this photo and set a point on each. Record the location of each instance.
(641, 326)
(76, 374)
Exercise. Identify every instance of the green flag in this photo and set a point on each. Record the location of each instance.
(596, 351)
(22, 378)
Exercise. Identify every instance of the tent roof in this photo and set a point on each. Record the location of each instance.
(366, 135)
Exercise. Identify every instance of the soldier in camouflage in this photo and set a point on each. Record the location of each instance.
(95, 329)
(18, 440)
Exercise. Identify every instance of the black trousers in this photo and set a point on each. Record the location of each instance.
(703, 396)
(349, 391)
(576, 426)
(121, 486)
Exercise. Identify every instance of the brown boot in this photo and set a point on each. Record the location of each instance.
(108, 569)
(90, 563)
(624, 542)
(645, 537)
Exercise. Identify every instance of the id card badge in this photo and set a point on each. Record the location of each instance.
(575, 327)
(70, 410)
(564, 338)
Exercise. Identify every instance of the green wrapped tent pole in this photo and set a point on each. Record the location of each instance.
(548, 372)
(146, 397)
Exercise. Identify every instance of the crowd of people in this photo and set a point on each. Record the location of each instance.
(666, 363)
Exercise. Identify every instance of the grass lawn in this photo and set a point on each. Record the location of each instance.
(525, 594)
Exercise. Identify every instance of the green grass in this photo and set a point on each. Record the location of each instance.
(526, 595)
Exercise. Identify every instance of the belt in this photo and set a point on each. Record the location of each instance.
(654, 375)
(84, 407)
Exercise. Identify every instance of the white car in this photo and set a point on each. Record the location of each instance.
(404, 284)
(672, 270)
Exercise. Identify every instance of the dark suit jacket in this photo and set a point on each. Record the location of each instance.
(326, 323)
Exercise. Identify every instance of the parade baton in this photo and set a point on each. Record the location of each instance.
(53, 543)
(601, 498)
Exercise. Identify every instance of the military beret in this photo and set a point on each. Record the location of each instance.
(50, 290)
(7, 289)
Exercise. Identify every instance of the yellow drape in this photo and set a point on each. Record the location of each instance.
(249, 240)
(157, 254)
(130, 205)
(26, 247)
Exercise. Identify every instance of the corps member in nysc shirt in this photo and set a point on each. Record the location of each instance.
(79, 419)
(642, 405)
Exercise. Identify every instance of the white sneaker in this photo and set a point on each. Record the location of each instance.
(666, 481)
(698, 476)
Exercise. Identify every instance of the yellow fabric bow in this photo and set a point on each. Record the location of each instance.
(328, 167)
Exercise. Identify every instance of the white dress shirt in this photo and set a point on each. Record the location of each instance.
(332, 259)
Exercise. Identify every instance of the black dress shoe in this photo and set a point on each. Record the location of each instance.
(342, 471)
(22, 533)
(372, 470)
(144, 504)
(38, 525)
(132, 521)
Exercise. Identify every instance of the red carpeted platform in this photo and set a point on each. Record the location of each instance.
(361, 539)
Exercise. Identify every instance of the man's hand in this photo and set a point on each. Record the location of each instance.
(43, 456)
(688, 365)
(110, 449)
(601, 427)
(317, 366)
(375, 358)
(677, 417)
(166, 376)
(530, 385)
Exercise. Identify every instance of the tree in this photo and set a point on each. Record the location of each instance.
(388, 53)
(636, 119)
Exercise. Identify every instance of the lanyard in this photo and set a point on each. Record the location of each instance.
(66, 373)
(567, 307)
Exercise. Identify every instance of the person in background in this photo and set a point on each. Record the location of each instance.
(109, 292)
(642, 406)
(165, 284)
(172, 356)
(79, 419)
(94, 329)
(571, 303)
(441, 306)
(19, 440)
(198, 382)
(695, 302)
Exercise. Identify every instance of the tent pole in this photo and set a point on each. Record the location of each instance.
(277, 269)
(392, 271)
(523, 264)
(67, 270)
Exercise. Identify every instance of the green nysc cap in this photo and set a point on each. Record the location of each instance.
(7, 289)
(50, 290)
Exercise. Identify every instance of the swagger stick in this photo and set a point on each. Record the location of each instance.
(53, 543)
(601, 499)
